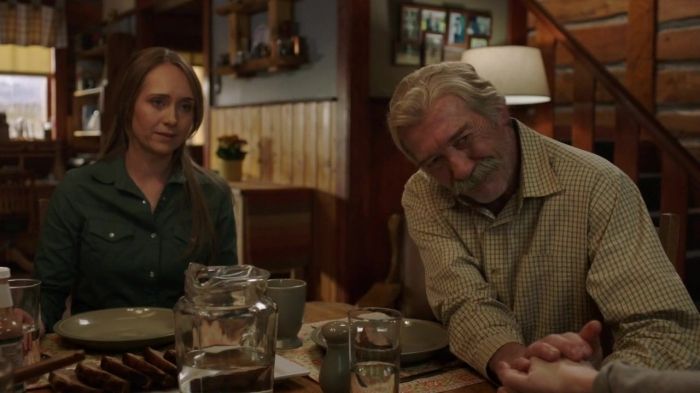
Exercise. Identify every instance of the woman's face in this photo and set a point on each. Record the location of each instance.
(163, 113)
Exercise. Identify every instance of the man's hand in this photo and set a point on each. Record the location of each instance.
(573, 346)
(580, 346)
(562, 376)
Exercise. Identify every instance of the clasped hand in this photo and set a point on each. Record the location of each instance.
(553, 364)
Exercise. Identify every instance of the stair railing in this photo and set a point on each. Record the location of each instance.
(631, 116)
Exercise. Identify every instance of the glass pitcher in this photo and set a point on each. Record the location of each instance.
(225, 330)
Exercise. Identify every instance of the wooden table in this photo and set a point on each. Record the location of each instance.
(321, 311)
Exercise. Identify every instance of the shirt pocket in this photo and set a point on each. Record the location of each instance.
(107, 240)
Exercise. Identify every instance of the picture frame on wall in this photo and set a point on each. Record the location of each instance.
(433, 20)
(410, 23)
(457, 29)
(433, 45)
(407, 53)
(479, 25)
(478, 42)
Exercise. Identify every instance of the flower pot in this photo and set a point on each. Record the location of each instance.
(232, 170)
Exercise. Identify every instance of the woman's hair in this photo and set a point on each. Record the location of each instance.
(417, 92)
(116, 143)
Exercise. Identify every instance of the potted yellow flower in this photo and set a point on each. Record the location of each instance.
(231, 152)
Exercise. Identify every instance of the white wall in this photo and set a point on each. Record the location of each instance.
(317, 21)
(384, 76)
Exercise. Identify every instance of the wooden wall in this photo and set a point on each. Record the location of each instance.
(601, 26)
(297, 144)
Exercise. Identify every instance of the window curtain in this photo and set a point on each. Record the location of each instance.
(33, 24)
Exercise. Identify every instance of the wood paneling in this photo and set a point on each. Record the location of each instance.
(569, 11)
(678, 9)
(683, 123)
(287, 143)
(564, 92)
(678, 44)
(294, 144)
(678, 85)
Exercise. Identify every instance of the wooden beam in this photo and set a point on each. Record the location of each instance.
(353, 119)
(626, 154)
(640, 62)
(582, 132)
(544, 113)
(517, 23)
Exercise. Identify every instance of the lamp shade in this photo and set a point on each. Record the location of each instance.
(517, 72)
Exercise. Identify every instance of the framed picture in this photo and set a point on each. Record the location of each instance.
(432, 20)
(410, 23)
(407, 53)
(457, 29)
(479, 25)
(432, 48)
(478, 42)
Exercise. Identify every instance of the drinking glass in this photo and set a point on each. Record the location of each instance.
(25, 301)
(5, 376)
(375, 349)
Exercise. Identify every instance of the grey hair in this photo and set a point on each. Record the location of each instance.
(417, 92)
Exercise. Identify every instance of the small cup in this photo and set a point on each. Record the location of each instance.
(25, 301)
(290, 296)
(375, 349)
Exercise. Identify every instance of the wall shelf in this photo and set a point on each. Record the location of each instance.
(285, 50)
(267, 64)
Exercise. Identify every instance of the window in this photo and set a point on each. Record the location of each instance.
(24, 92)
(24, 100)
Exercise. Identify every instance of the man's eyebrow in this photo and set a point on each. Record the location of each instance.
(456, 135)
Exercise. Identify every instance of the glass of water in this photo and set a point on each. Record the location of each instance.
(375, 349)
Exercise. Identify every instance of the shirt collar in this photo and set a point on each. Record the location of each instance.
(537, 177)
(113, 171)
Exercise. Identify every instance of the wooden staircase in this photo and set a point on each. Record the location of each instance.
(666, 173)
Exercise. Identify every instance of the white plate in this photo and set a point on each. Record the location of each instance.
(119, 329)
(420, 339)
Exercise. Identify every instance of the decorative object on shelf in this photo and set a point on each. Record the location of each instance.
(269, 47)
(231, 152)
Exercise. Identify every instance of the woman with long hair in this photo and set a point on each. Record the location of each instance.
(120, 232)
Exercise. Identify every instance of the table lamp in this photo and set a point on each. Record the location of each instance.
(517, 72)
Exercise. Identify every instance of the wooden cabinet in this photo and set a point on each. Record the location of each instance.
(97, 69)
(284, 48)
(273, 226)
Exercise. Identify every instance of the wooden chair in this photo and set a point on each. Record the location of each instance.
(18, 217)
(669, 231)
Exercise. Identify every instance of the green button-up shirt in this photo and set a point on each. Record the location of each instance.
(101, 243)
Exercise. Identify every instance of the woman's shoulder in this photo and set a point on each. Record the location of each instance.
(82, 175)
(210, 181)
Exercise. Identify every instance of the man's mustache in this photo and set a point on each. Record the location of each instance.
(481, 171)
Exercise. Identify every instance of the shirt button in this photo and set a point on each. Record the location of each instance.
(151, 274)
(143, 202)
(111, 235)
(154, 235)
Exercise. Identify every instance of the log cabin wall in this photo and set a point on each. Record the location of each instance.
(296, 144)
(602, 27)
(605, 28)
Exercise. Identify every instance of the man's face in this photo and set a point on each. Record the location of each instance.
(465, 151)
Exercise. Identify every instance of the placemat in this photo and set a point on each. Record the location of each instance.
(457, 375)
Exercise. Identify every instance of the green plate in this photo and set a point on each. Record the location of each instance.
(420, 339)
(119, 329)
